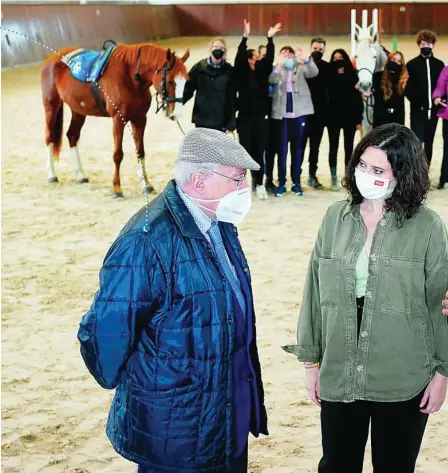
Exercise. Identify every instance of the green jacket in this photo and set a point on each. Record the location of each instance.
(403, 336)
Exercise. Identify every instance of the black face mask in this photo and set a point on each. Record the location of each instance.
(426, 51)
(394, 68)
(218, 53)
(316, 55)
(339, 63)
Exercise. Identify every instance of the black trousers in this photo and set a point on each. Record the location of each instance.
(314, 131)
(424, 129)
(273, 146)
(334, 130)
(253, 133)
(444, 169)
(397, 430)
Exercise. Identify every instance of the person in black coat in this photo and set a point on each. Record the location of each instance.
(212, 80)
(419, 90)
(251, 72)
(388, 90)
(315, 124)
(345, 108)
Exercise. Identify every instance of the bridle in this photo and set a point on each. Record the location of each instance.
(162, 104)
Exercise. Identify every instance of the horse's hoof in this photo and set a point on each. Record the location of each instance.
(84, 180)
(117, 195)
(52, 180)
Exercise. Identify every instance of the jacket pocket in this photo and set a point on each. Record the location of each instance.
(165, 424)
(403, 287)
(329, 282)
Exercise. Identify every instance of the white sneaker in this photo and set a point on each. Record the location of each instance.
(261, 192)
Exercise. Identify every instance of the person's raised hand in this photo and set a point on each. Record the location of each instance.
(246, 28)
(273, 30)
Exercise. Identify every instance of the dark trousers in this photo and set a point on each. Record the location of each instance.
(273, 146)
(292, 131)
(444, 169)
(314, 131)
(397, 430)
(253, 133)
(334, 130)
(424, 129)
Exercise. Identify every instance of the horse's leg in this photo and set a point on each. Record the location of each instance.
(53, 133)
(73, 134)
(138, 132)
(118, 154)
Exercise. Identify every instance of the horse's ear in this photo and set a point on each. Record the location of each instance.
(186, 55)
(169, 55)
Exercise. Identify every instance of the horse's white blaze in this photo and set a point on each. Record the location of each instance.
(180, 86)
(50, 162)
(76, 163)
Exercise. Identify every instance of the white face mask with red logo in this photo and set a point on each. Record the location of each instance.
(374, 187)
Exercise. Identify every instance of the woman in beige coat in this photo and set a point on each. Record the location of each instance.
(291, 103)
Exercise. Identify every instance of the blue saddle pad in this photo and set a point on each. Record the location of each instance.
(88, 65)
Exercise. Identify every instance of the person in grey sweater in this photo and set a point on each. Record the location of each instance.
(291, 103)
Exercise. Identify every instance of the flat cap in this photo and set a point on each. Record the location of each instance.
(203, 145)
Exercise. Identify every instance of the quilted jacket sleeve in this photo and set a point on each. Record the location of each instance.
(131, 290)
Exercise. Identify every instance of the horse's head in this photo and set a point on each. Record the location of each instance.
(169, 81)
(366, 61)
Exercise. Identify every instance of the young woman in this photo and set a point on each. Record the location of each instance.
(291, 102)
(440, 97)
(371, 331)
(388, 90)
(345, 108)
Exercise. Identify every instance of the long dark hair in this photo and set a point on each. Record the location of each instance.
(409, 165)
(348, 66)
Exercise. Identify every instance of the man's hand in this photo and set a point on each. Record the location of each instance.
(300, 55)
(435, 394)
(312, 384)
(445, 305)
(246, 29)
(273, 30)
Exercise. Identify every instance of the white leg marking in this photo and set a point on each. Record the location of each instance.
(141, 174)
(50, 162)
(76, 163)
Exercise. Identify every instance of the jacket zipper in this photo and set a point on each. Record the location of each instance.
(428, 70)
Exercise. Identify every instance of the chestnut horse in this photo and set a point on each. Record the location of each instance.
(125, 89)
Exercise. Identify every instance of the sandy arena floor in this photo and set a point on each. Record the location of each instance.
(54, 241)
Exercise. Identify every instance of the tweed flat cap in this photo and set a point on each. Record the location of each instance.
(202, 145)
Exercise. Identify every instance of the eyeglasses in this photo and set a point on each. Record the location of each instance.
(238, 181)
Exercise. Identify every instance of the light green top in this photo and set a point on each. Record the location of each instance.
(361, 273)
(403, 337)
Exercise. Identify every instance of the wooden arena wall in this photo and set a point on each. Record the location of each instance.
(67, 24)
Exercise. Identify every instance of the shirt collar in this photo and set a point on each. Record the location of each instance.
(202, 220)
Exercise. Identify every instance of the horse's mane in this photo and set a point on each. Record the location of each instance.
(150, 55)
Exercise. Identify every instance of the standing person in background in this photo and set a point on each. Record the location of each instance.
(345, 109)
(315, 124)
(212, 80)
(440, 97)
(291, 103)
(251, 80)
(419, 90)
(388, 89)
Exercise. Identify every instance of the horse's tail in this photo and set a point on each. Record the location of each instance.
(57, 132)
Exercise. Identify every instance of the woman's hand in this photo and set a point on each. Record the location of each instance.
(435, 394)
(246, 29)
(273, 30)
(359, 126)
(438, 101)
(312, 384)
(445, 305)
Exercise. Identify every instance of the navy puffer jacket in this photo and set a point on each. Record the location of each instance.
(158, 331)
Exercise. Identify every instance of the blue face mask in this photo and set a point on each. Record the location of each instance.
(289, 63)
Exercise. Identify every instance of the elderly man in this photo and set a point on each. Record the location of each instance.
(172, 326)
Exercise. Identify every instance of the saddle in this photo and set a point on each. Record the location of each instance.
(89, 66)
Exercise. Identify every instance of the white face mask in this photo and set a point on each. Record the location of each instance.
(373, 187)
(232, 208)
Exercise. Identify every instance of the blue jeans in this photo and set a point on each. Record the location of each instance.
(293, 131)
